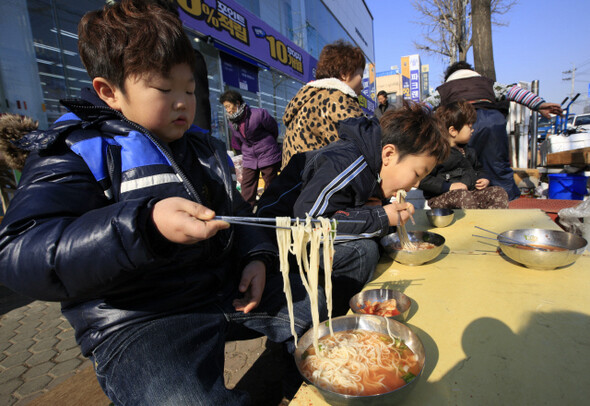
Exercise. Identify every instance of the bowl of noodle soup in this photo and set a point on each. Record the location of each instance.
(362, 359)
(426, 247)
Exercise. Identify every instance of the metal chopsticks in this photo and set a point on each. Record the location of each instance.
(511, 240)
(260, 221)
(250, 223)
(230, 219)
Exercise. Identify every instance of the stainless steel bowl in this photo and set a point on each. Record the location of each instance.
(440, 217)
(370, 323)
(392, 245)
(573, 246)
(403, 303)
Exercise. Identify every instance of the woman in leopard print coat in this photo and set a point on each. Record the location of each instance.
(311, 116)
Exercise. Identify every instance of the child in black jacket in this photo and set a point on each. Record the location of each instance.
(460, 182)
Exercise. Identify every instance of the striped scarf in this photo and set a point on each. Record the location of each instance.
(236, 117)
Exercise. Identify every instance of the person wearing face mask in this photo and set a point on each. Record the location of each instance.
(491, 100)
(254, 134)
(311, 117)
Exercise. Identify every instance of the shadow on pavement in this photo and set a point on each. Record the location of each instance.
(263, 381)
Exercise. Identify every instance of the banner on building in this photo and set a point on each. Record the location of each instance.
(415, 78)
(425, 81)
(228, 22)
(388, 72)
(405, 63)
(411, 77)
(368, 94)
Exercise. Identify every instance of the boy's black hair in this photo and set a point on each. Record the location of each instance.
(455, 67)
(231, 96)
(414, 130)
(131, 38)
(382, 93)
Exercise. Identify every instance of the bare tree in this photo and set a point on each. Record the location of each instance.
(483, 51)
(448, 24)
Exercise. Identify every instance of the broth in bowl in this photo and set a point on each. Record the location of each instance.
(390, 331)
(360, 363)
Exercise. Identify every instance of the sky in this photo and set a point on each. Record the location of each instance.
(543, 39)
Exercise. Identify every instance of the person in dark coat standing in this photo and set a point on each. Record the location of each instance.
(254, 133)
(383, 104)
(489, 139)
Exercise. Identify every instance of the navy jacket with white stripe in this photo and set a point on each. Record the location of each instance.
(335, 181)
(79, 231)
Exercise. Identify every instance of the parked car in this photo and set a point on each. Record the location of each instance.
(581, 123)
(545, 127)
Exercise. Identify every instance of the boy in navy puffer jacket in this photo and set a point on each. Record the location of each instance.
(114, 217)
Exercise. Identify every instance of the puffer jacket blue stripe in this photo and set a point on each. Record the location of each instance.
(64, 239)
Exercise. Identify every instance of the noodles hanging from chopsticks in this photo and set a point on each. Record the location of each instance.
(284, 242)
(401, 228)
(296, 241)
(354, 362)
(328, 231)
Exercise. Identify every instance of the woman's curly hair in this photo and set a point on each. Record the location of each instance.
(339, 59)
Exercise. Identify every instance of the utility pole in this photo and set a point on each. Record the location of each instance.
(571, 72)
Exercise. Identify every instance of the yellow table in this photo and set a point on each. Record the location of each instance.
(495, 332)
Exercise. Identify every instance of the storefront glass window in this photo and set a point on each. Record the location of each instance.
(322, 28)
(285, 16)
(276, 91)
(252, 6)
(54, 27)
(211, 55)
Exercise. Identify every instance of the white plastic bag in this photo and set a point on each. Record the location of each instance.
(577, 220)
(238, 165)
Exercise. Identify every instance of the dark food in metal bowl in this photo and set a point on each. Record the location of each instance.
(368, 301)
(554, 248)
(424, 253)
(440, 217)
(364, 323)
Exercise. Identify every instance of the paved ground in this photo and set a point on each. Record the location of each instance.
(38, 352)
(38, 348)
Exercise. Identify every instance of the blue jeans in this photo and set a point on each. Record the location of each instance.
(353, 266)
(178, 359)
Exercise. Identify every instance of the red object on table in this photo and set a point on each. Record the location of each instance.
(550, 206)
